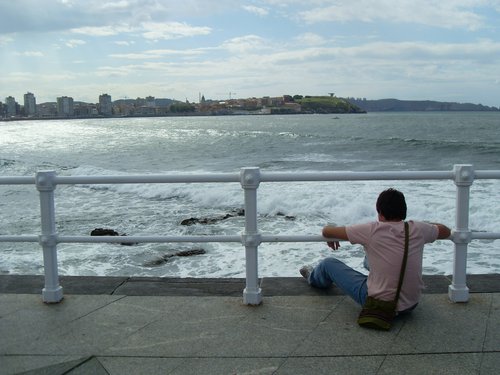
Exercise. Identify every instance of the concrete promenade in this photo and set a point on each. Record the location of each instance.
(123, 326)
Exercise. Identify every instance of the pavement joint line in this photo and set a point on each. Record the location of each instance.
(260, 357)
(381, 364)
(487, 323)
(83, 361)
(120, 297)
(121, 284)
(281, 364)
(400, 328)
(280, 356)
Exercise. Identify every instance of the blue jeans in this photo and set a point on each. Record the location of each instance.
(351, 282)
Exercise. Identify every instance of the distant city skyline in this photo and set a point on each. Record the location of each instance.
(68, 107)
(98, 97)
(411, 50)
(106, 99)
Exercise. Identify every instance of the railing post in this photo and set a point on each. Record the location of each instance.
(464, 177)
(251, 239)
(45, 184)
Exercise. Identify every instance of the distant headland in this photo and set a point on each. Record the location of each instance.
(396, 105)
(65, 107)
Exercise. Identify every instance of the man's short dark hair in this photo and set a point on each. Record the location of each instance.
(392, 205)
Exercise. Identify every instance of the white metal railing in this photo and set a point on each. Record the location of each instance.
(250, 178)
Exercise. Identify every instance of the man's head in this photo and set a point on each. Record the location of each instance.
(391, 205)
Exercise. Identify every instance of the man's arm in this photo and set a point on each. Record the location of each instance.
(335, 232)
(444, 231)
(339, 233)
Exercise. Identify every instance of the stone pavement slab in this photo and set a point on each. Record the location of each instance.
(185, 327)
(91, 334)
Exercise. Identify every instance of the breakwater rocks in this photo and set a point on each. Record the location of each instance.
(213, 220)
(165, 258)
(216, 219)
(162, 259)
(109, 232)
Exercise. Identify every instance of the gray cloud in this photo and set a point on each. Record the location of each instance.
(29, 15)
(55, 15)
(436, 13)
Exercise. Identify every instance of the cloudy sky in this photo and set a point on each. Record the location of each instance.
(446, 50)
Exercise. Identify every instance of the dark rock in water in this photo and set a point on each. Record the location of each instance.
(166, 257)
(109, 232)
(213, 220)
(239, 212)
(234, 213)
(287, 217)
(195, 220)
(104, 232)
(155, 262)
(188, 253)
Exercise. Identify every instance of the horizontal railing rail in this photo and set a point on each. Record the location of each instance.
(200, 239)
(250, 178)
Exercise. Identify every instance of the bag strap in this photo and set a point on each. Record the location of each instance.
(403, 265)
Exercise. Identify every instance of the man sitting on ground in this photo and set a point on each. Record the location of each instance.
(383, 242)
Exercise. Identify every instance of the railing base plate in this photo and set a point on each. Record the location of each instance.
(458, 294)
(252, 298)
(52, 296)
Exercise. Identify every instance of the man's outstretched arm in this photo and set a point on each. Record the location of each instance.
(330, 231)
(444, 231)
(339, 233)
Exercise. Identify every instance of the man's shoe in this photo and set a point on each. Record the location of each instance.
(305, 271)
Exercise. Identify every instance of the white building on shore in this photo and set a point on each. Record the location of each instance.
(105, 105)
(29, 104)
(11, 105)
(65, 106)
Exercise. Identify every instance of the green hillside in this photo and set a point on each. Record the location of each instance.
(326, 104)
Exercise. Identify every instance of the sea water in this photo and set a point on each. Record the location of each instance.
(364, 142)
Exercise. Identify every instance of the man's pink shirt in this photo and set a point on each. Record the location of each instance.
(384, 247)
